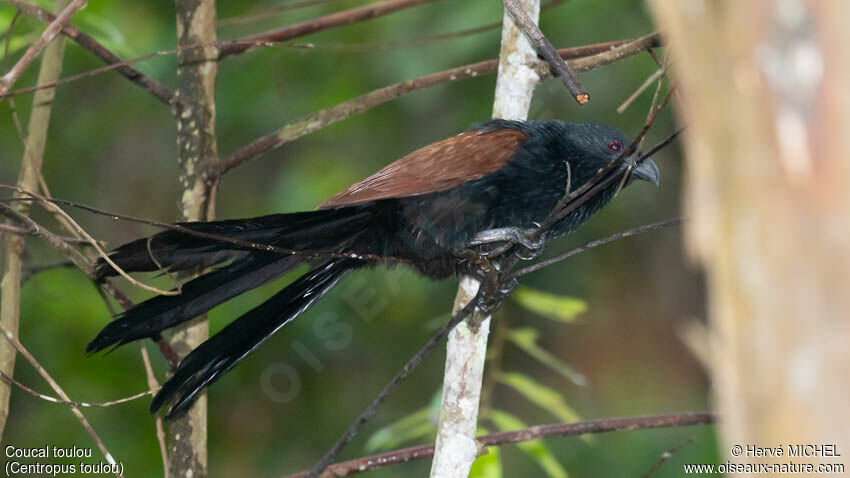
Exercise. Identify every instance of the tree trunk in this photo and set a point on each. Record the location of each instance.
(196, 143)
(765, 95)
(456, 448)
(28, 178)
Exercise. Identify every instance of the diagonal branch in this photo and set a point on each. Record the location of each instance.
(53, 29)
(347, 17)
(544, 47)
(62, 395)
(405, 371)
(155, 88)
(596, 243)
(584, 58)
(606, 425)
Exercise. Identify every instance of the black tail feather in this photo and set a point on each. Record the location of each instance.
(213, 358)
(198, 296)
(176, 250)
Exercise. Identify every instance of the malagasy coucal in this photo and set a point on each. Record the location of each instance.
(497, 181)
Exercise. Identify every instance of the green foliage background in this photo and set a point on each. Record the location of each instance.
(111, 145)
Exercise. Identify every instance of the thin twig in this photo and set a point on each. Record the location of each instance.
(9, 229)
(604, 177)
(153, 385)
(544, 47)
(269, 11)
(35, 49)
(653, 77)
(62, 395)
(346, 17)
(89, 73)
(159, 91)
(666, 456)
(584, 58)
(404, 455)
(50, 206)
(15, 117)
(663, 144)
(48, 398)
(405, 371)
(598, 242)
(86, 265)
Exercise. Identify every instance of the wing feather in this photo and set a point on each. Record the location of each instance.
(436, 167)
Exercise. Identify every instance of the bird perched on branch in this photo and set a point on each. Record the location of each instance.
(496, 182)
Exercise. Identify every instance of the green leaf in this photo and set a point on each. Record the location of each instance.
(542, 396)
(416, 425)
(526, 339)
(537, 450)
(105, 32)
(556, 307)
(488, 465)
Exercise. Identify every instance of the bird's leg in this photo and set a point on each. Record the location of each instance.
(510, 236)
(488, 274)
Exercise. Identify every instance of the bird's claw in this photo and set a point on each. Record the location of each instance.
(510, 236)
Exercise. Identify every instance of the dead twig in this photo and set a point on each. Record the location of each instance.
(545, 49)
(405, 371)
(598, 242)
(48, 398)
(48, 205)
(62, 395)
(584, 58)
(404, 455)
(155, 88)
(346, 17)
(36, 48)
(153, 385)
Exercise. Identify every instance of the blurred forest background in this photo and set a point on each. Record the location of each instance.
(111, 145)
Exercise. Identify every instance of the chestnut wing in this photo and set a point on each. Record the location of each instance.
(436, 167)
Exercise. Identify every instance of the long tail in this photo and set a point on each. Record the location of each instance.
(198, 296)
(213, 358)
(175, 250)
(326, 229)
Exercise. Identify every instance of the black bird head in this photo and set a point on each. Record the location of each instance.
(600, 144)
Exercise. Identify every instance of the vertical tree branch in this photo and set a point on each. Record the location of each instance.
(196, 143)
(768, 200)
(456, 448)
(10, 287)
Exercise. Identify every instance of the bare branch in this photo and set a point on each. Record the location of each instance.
(586, 58)
(652, 78)
(197, 150)
(546, 50)
(155, 88)
(47, 398)
(666, 456)
(598, 242)
(405, 371)
(404, 455)
(13, 248)
(153, 385)
(62, 395)
(9, 79)
(86, 265)
(47, 204)
(347, 17)
(261, 14)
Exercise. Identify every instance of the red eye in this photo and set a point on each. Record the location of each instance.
(615, 146)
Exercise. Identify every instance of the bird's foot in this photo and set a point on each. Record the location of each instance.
(510, 236)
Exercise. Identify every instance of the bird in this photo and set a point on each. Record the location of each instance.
(497, 181)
